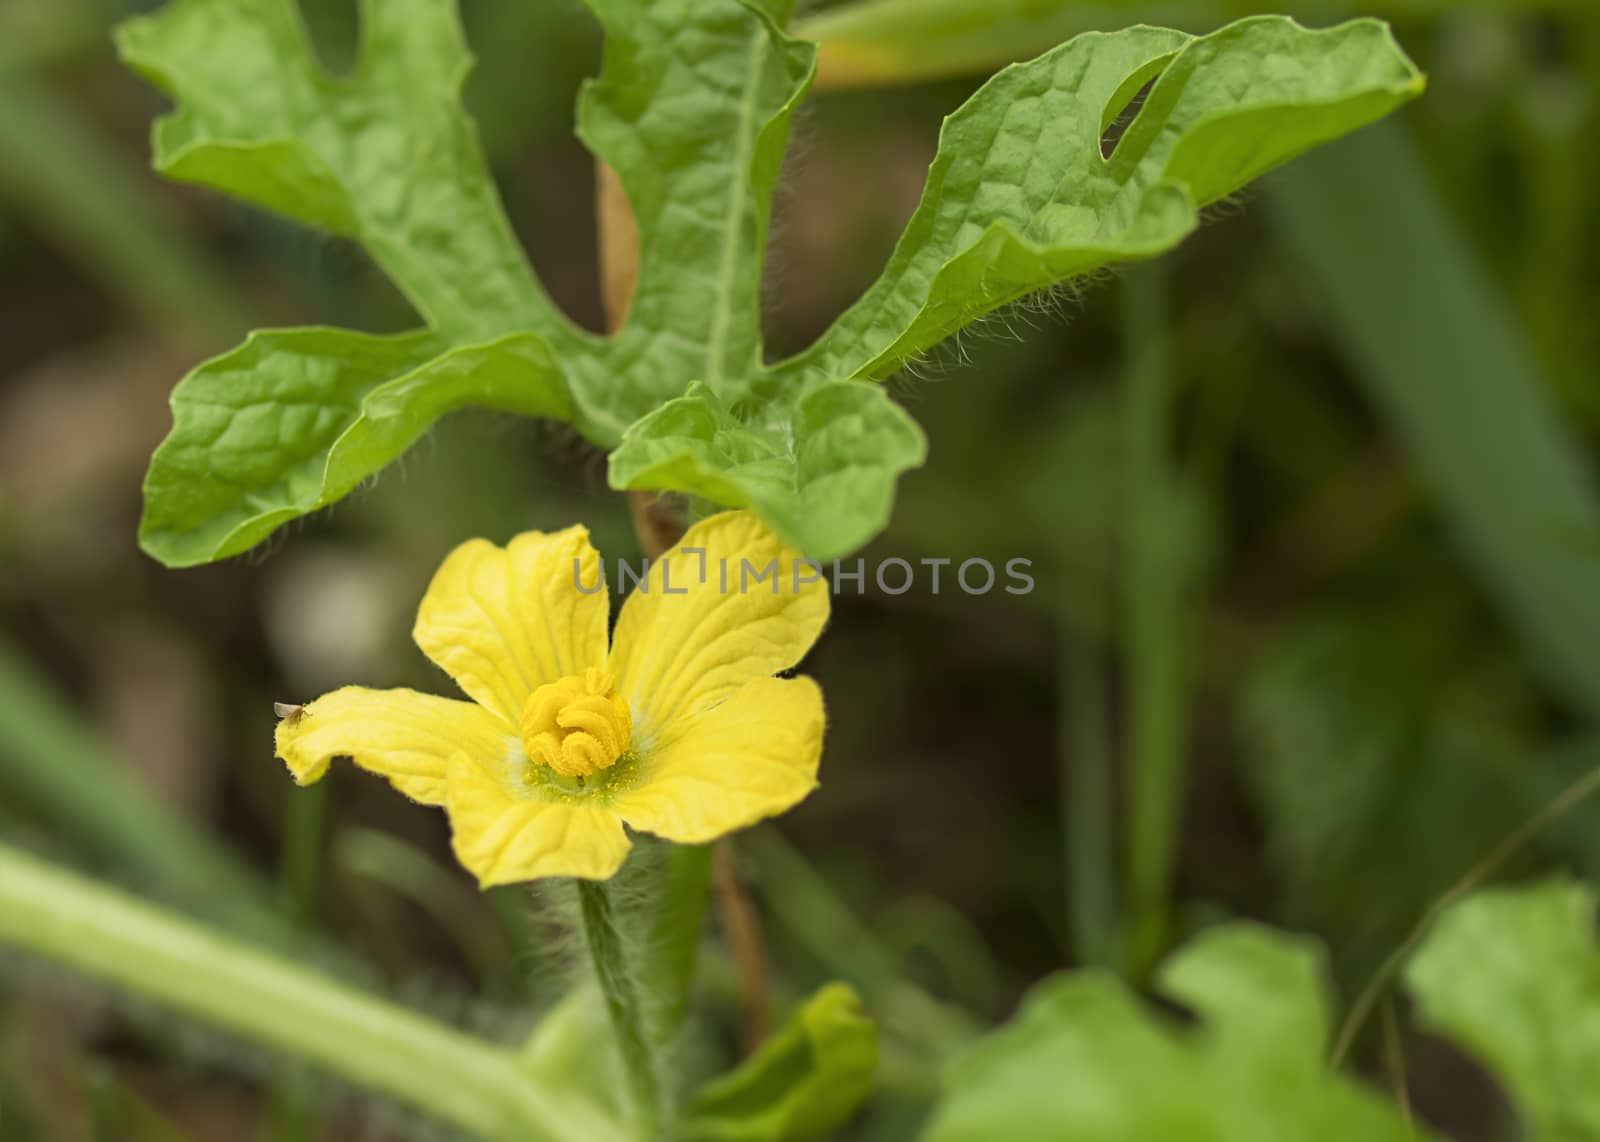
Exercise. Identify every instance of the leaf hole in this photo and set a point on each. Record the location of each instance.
(333, 28)
(1117, 126)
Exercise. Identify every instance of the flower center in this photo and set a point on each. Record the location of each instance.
(577, 726)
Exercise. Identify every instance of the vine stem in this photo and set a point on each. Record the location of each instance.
(1088, 803)
(1157, 600)
(458, 1078)
(1563, 803)
(741, 928)
(629, 1022)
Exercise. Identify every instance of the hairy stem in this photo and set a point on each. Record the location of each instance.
(608, 949)
(458, 1078)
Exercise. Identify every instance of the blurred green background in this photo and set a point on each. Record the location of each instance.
(1310, 506)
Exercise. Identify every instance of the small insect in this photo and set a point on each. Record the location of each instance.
(288, 711)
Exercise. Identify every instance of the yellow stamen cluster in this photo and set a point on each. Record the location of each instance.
(577, 726)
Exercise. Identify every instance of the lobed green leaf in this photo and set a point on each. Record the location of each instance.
(385, 155)
(1020, 197)
(1084, 1060)
(1513, 976)
(692, 109)
(294, 419)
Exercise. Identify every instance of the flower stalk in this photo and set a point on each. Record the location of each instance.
(624, 1005)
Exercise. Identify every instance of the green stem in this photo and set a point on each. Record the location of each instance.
(1159, 548)
(1563, 803)
(677, 929)
(300, 852)
(458, 1078)
(607, 947)
(294, 1106)
(1086, 790)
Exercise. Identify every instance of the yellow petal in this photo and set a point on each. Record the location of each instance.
(400, 734)
(504, 621)
(503, 836)
(751, 757)
(675, 655)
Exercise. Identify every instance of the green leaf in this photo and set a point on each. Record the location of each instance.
(294, 418)
(1085, 1060)
(1020, 198)
(805, 1082)
(823, 476)
(386, 155)
(1513, 976)
(692, 111)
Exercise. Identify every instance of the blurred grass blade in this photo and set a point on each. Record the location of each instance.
(294, 1106)
(803, 900)
(1163, 557)
(1438, 351)
(300, 852)
(119, 1113)
(1088, 804)
(881, 42)
(412, 874)
(804, 903)
(55, 169)
(936, 929)
(876, 43)
(52, 763)
(42, 32)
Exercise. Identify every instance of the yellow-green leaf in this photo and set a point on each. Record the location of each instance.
(1085, 1059)
(805, 1082)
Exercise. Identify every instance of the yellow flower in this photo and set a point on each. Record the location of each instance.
(677, 729)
